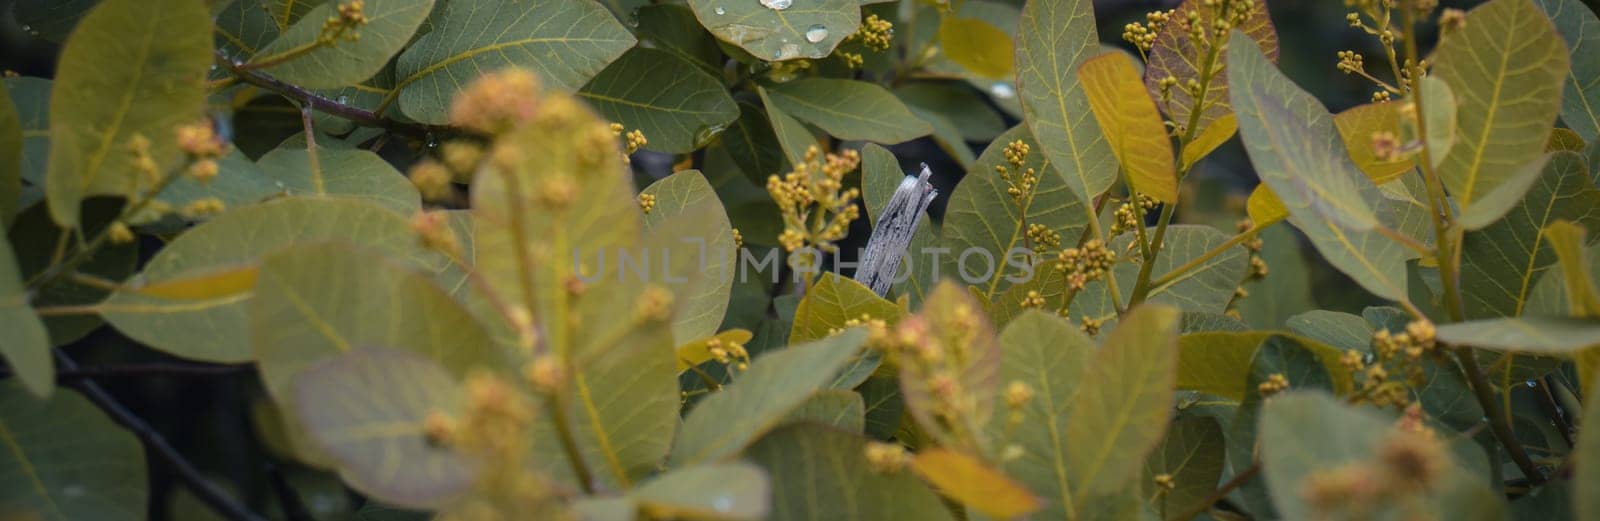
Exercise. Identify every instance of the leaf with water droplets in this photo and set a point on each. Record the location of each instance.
(777, 30)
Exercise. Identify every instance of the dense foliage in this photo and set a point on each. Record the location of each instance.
(618, 277)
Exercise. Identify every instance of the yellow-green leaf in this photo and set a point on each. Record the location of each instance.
(208, 284)
(1214, 135)
(352, 173)
(10, 157)
(1053, 39)
(832, 302)
(849, 109)
(1567, 239)
(977, 45)
(1132, 126)
(1586, 456)
(711, 492)
(1530, 334)
(1217, 362)
(1506, 68)
(974, 483)
(1357, 126)
(131, 68)
(1501, 263)
(1124, 402)
(698, 351)
(1264, 207)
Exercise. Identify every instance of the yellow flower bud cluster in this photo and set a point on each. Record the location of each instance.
(729, 353)
(497, 102)
(875, 35)
(1091, 325)
(200, 142)
(350, 15)
(1396, 365)
(1130, 214)
(432, 180)
(654, 304)
(933, 351)
(878, 336)
(1452, 20)
(1143, 35)
(815, 206)
(632, 140)
(1084, 264)
(886, 458)
(433, 232)
(1020, 181)
(1164, 483)
(1032, 300)
(1351, 62)
(204, 207)
(1042, 237)
(1274, 384)
(647, 202)
(143, 163)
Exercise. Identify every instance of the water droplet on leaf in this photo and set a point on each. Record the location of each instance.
(777, 5)
(344, 100)
(1003, 90)
(816, 33)
(720, 10)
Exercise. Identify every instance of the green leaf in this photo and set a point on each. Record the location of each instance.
(819, 473)
(983, 219)
(752, 144)
(1053, 39)
(1505, 68)
(964, 107)
(1133, 128)
(10, 157)
(566, 42)
(315, 301)
(674, 29)
(1219, 362)
(1296, 151)
(131, 68)
(832, 302)
(1305, 435)
(676, 105)
(728, 420)
(1192, 454)
(1440, 116)
(189, 328)
(1205, 288)
(31, 96)
(239, 182)
(954, 325)
(1123, 403)
(66, 460)
(354, 173)
(793, 136)
(1178, 55)
(1340, 330)
(841, 409)
(244, 27)
(1580, 99)
(978, 46)
(713, 492)
(1293, 143)
(808, 30)
(849, 109)
(1531, 334)
(366, 408)
(26, 345)
(1501, 263)
(1586, 457)
(1050, 356)
(690, 231)
(352, 57)
(1286, 290)
(284, 13)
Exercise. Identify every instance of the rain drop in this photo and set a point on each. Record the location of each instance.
(27, 28)
(787, 51)
(722, 503)
(1003, 90)
(721, 11)
(344, 100)
(816, 33)
(777, 5)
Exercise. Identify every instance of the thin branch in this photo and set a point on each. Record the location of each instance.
(209, 493)
(1221, 492)
(321, 103)
(138, 370)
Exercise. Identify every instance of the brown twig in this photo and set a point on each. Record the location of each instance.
(321, 103)
(1220, 492)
